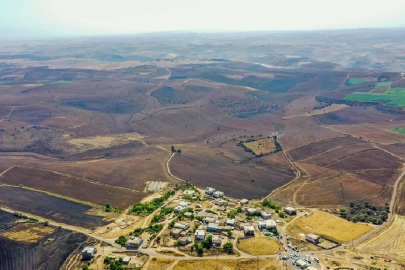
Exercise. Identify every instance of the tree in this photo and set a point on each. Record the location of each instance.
(200, 250)
(229, 233)
(179, 151)
(173, 150)
(108, 207)
(228, 246)
(122, 240)
(281, 214)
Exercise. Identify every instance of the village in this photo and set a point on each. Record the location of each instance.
(204, 222)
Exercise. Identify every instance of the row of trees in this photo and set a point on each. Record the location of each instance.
(178, 151)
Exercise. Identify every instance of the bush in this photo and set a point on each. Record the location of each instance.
(281, 214)
(122, 240)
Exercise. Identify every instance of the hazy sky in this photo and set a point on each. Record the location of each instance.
(38, 18)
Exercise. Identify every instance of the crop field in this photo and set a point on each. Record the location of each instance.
(329, 226)
(6, 218)
(49, 253)
(66, 185)
(383, 84)
(389, 242)
(400, 200)
(27, 233)
(354, 81)
(259, 246)
(203, 166)
(43, 205)
(262, 146)
(242, 264)
(393, 97)
(400, 130)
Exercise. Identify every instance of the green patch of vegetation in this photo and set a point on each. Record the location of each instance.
(233, 213)
(383, 84)
(365, 213)
(400, 130)
(162, 213)
(393, 97)
(108, 208)
(151, 229)
(147, 208)
(270, 204)
(354, 81)
(114, 264)
(61, 82)
(122, 240)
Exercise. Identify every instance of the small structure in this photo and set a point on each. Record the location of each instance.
(220, 202)
(136, 242)
(230, 222)
(199, 234)
(290, 210)
(180, 208)
(249, 230)
(213, 227)
(313, 238)
(267, 224)
(265, 214)
(209, 190)
(301, 264)
(188, 193)
(185, 241)
(126, 260)
(188, 214)
(184, 203)
(88, 252)
(198, 205)
(218, 194)
(182, 225)
(217, 240)
(311, 268)
(244, 201)
(222, 208)
(209, 219)
(176, 232)
(251, 211)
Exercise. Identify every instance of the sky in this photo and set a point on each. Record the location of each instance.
(58, 18)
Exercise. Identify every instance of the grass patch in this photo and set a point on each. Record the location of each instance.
(259, 246)
(28, 233)
(399, 130)
(262, 146)
(329, 226)
(393, 97)
(354, 81)
(383, 84)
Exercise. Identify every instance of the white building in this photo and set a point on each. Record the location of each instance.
(180, 208)
(230, 222)
(184, 203)
(265, 214)
(89, 252)
(244, 201)
(134, 243)
(290, 210)
(217, 240)
(218, 194)
(313, 238)
(209, 190)
(249, 230)
(188, 193)
(251, 211)
(266, 224)
(181, 226)
(199, 234)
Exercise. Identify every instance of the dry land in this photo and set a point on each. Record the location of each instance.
(262, 146)
(329, 226)
(259, 246)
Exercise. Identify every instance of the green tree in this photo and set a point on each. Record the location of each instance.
(200, 250)
(179, 151)
(173, 150)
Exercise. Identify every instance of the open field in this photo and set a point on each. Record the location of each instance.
(67, 185)
(6, 218)
(389, 242)
(242, 264)
(204, 166)
(400, 200)
(383, 84)
(27, 233)
(262, 146)
(354, 81)
(49, 207)
(400, 130)
(329, 226)
(259, 246)
(50, 253)
(393, 97)
(159, 264)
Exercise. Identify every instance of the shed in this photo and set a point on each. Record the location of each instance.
(88, 252)
(209, 190)
(290, 210)
(218, 194)
(199, 234)
(249, 230)
(126, 260)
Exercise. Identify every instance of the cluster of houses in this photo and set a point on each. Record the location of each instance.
(215, 193)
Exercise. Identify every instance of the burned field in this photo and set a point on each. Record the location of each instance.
(255, 178)
(50, 252)
(53, 208)
(66, 185)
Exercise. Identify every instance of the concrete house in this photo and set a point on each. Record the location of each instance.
(176, 232)
(266, 224)
(218, 194)
(265, 214)
(230, 222)
(217, 240)
(182, 225)
(188, 193)
(88, 252)
(199, 234)
(213, 227)
(180, 208)
(249, 230)
(126, 260)
(209, 190)
(290, 210)
(312, 238)
(136, 242)
(244, 201)
(251, 211)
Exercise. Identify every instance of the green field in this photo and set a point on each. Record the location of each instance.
(354, 81)
(400, 130)
(383, 84)
(394, 97)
